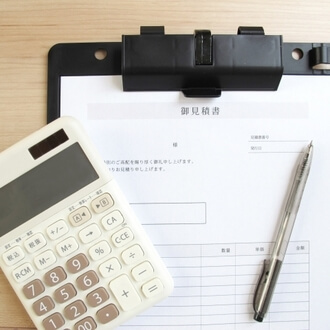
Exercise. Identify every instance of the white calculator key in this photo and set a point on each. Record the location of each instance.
(80, 216)
(90, 233)
(142, 271)
(67, 247)
(125, 292)
(99, 250)
(132, 254)
(45, 259)
(152, 288)
(102, 203)
(57, 229)
(112, 220)
(122, 237)
(23, 272)
(35, 243)
(13, 256)
(110, 267)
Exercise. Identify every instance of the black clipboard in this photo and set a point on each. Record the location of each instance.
(249, 60)
(79, 60)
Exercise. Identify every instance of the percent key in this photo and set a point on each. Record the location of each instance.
(100, 250)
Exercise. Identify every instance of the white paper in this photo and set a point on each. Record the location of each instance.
(208, 179)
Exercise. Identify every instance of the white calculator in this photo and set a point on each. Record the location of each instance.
(70, 245)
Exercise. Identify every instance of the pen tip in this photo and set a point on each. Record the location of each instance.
(257, 317)
(310, 147)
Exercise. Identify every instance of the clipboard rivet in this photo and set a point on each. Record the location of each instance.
(297, 54)
(101, 54)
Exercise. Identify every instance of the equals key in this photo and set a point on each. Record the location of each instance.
(152, 288)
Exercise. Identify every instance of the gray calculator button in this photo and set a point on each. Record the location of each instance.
(75, 310)
(86, 323)
(33, 289)
(54, 321)
(87, 280)
(65, 293)
(77, 263)
(97, 297)
(107, 314)
(55, 276)
(43, 305)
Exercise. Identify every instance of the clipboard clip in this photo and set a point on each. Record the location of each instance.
(204, 65)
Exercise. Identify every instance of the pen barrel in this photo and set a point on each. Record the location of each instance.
(292, 205)
(271, 269)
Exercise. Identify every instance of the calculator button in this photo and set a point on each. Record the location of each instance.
(65, 293)
(45, 259)
(99, 250)
(107, 314)
(53, 322)
(125, 292)
(13, 256)
(97, 297)
(23, 272)
(43, 305)
(152, 288)
(77, 263)
(132, 254)
(142, 271)
(35, 243)
(122, 237)
(110, 268)
(33, 289)
(87, 280)
(102, 203)
(74, 310)
(67, 247)
(80, 216)
(90, 233)
(87, 323)
(55, 276)
(57, 229)
(112, 220)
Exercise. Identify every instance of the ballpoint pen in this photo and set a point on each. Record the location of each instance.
(272, 266)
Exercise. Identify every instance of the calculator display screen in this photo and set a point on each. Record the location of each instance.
(43, 186)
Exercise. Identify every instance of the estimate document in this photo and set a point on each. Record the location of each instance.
(208, 179)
